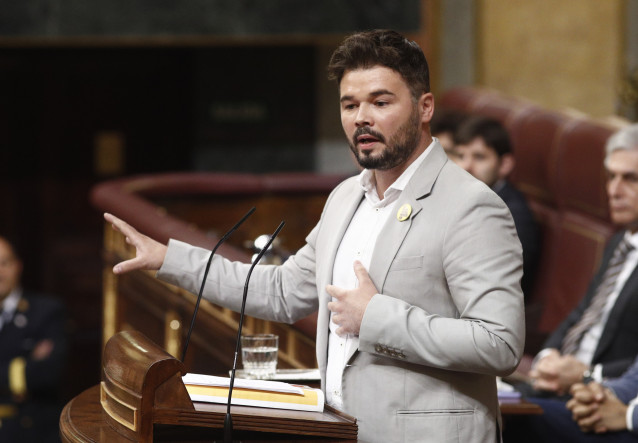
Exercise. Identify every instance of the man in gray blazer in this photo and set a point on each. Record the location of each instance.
(414, 267)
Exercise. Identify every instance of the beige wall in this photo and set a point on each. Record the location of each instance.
(560, 53)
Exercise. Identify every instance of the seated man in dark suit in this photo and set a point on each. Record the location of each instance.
(32, 356)
(483, 148)
(599, 338)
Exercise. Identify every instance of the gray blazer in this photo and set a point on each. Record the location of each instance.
(448, 317)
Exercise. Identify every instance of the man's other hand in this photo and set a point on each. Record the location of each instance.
(349, 305)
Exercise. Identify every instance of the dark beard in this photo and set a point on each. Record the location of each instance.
(400, 147)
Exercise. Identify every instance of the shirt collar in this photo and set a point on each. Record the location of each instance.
(632, 239)
(368, 183)
(10, 303)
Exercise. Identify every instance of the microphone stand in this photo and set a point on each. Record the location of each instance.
(210, 260)
(228, 421)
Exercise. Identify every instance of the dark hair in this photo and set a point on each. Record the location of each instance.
(446, 120)
(382, 47)
(15, 247)
(490, 130)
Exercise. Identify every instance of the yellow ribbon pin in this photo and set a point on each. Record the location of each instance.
(404, 212)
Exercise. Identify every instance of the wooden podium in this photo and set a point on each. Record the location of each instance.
(142, 398)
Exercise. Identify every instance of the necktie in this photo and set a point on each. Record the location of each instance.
(593, 312)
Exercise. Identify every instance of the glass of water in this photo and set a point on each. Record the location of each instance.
(259, 355)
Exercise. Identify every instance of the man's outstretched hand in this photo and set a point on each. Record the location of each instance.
(149, 254)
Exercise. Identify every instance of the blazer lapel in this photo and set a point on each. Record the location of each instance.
(611, 326)
(342, 210)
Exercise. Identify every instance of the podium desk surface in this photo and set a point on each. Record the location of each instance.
(83, 420)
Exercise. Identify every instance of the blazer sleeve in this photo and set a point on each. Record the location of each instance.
(482, 265)
(626, 386)
(284, 293)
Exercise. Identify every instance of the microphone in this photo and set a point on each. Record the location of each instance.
(228, 421)
(210, 260)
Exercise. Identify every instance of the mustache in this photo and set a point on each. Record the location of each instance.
(365, 130)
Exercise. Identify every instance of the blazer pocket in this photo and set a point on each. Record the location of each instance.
(404, 263)
(440, 425)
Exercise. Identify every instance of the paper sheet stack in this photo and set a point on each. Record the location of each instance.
(259, 393)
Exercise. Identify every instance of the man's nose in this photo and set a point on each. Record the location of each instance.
(613, 187)
(363, 116)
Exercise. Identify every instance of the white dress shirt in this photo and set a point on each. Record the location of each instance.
(358, 244)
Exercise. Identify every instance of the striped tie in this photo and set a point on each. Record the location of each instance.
(595, 309)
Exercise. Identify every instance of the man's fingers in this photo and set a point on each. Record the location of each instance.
(360, 271)
(600, 429)
(335, 291)
(126, 266)
(363, 277)
(597, 390)
(581, 411)
(589, 421)
(576, 388)
(120, 225)
(545, 385)
(547, 373)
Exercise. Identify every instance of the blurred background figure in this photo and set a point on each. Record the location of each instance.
(32, 356)
(444, 125)
(483, 148)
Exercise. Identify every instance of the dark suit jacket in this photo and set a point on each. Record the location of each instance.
(618, 345)
(36, 318)
(527, 230)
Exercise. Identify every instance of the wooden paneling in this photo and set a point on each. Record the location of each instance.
(559, 53)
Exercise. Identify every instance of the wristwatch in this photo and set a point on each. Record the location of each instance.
(588, 376)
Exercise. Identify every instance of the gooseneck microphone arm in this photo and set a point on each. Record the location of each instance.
(210, 260)
(228, 421)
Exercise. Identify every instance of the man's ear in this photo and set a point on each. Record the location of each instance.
(426, 105)
(507, 166)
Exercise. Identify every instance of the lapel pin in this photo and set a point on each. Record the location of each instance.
(404, 212)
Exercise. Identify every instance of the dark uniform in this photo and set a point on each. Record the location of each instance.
(29, 402)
